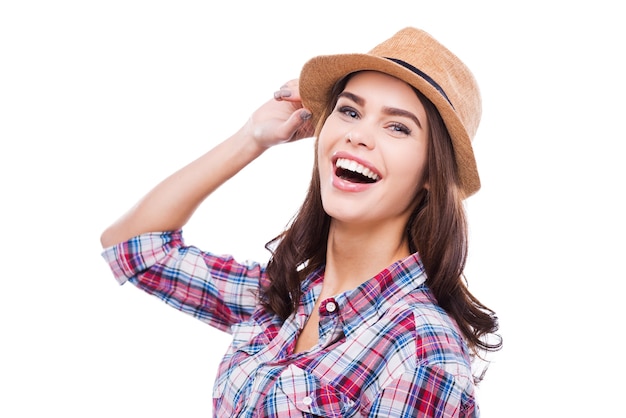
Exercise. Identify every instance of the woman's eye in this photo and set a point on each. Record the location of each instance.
(349, 111)
(398, 127)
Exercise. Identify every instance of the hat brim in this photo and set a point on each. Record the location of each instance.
(320, 74)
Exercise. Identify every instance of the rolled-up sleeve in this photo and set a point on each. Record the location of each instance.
(215, 289)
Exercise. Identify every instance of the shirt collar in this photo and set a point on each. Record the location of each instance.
(365, 304)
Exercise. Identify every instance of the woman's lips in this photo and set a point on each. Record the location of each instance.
(354, 170)
(353, 174)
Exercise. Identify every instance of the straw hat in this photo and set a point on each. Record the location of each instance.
(415, 57)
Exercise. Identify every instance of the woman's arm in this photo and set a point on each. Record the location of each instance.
(171, 203)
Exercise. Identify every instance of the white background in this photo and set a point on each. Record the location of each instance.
(100, 100)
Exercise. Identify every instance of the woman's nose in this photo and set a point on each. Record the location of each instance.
(359, 138)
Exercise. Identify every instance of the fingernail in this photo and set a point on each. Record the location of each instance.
(305, 115)
(282, 93)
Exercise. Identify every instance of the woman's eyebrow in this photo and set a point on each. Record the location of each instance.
(393, 111)
(356, 99)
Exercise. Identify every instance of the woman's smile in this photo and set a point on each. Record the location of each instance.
(352, 174)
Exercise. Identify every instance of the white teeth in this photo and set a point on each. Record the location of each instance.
(356, 167)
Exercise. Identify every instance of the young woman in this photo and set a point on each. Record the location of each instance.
(362, 309)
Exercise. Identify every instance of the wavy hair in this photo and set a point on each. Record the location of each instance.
(437, 230)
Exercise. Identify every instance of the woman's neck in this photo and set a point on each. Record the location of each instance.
(354, 255)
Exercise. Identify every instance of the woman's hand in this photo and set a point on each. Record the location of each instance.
(281, 119)
(170, 204)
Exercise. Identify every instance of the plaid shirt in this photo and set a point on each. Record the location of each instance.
(386, 349)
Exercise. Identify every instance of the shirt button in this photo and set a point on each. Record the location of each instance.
(307, 400)
(331, 307)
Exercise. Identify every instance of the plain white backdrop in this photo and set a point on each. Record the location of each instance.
(101, 100)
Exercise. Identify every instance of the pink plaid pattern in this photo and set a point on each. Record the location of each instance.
(386, 349)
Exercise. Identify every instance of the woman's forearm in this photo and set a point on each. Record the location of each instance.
(171, 203)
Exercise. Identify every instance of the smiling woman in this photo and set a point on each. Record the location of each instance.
(362, 309)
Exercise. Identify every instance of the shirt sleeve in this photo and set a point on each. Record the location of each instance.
(215, 289)
(425, 391)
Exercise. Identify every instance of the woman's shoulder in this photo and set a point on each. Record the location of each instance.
(437, 336)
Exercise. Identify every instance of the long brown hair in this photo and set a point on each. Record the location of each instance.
(437, 230)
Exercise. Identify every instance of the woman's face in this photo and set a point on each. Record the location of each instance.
(372, 151)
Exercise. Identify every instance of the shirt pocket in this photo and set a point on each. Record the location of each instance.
(248, 339)
(312, 397)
